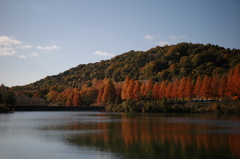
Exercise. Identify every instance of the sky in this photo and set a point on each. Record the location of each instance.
(40, 38)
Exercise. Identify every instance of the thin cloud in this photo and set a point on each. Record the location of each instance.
(178, 37)
(7, 51)
(9, 41)
(34, 54)
(10, 46)
(148, 37)
(6, 45)
(100, 53)
(53, 47)
(162, 43)
(25, 46)
(22, 56)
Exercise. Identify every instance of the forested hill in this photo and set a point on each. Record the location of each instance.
(158, 64)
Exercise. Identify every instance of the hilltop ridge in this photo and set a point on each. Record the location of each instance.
(158, 64)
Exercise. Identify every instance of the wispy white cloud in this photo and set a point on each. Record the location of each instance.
(22, 56)
(7, 51)
(148, 37)
(11, 46)
(8, 41)
(162, 43)
(6, 45)
(53, 47)
(178, 37)
(100, 53)
(34, 54)
(25, 46)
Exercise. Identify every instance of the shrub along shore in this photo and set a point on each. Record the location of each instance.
(51, 108)
(219, 107)
(145, 106)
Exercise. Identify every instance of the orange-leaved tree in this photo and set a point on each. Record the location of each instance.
(100, 94)
(169, 90)
(52, 96)
(230, 83)
(70, 99)
(125, 88)
(222, 90)
(109, 93)
(156, 90)
(162, 89)
(174, 93)
(136, 91)
(77, 100)
(142, 91)
(148, 90)
(206, 91)
(236, 80)
(131, 85)
(181, 89)
(197, 87)
(214, 86)
(189, 88)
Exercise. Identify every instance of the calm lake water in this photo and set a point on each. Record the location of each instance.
(101, 135)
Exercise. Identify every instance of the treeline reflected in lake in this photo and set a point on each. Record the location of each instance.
(158, 135)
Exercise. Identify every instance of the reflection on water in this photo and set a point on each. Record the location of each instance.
(118, 135)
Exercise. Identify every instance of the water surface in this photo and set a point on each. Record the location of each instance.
(101, 135)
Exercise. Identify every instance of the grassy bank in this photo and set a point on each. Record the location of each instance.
(223, 107)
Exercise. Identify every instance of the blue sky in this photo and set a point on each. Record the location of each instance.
(46, 37)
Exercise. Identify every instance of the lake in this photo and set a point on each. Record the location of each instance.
(102, 135)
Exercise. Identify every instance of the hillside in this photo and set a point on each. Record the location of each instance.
(158, 64)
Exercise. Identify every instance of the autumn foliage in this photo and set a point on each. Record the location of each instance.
(107, 91)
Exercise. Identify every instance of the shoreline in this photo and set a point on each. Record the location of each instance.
(55, 108)
(142, 107)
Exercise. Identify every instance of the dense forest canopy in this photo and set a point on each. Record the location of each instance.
(177, 72)
(158, 64)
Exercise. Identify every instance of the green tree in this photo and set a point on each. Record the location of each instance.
(0, 98)
(8, 98)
